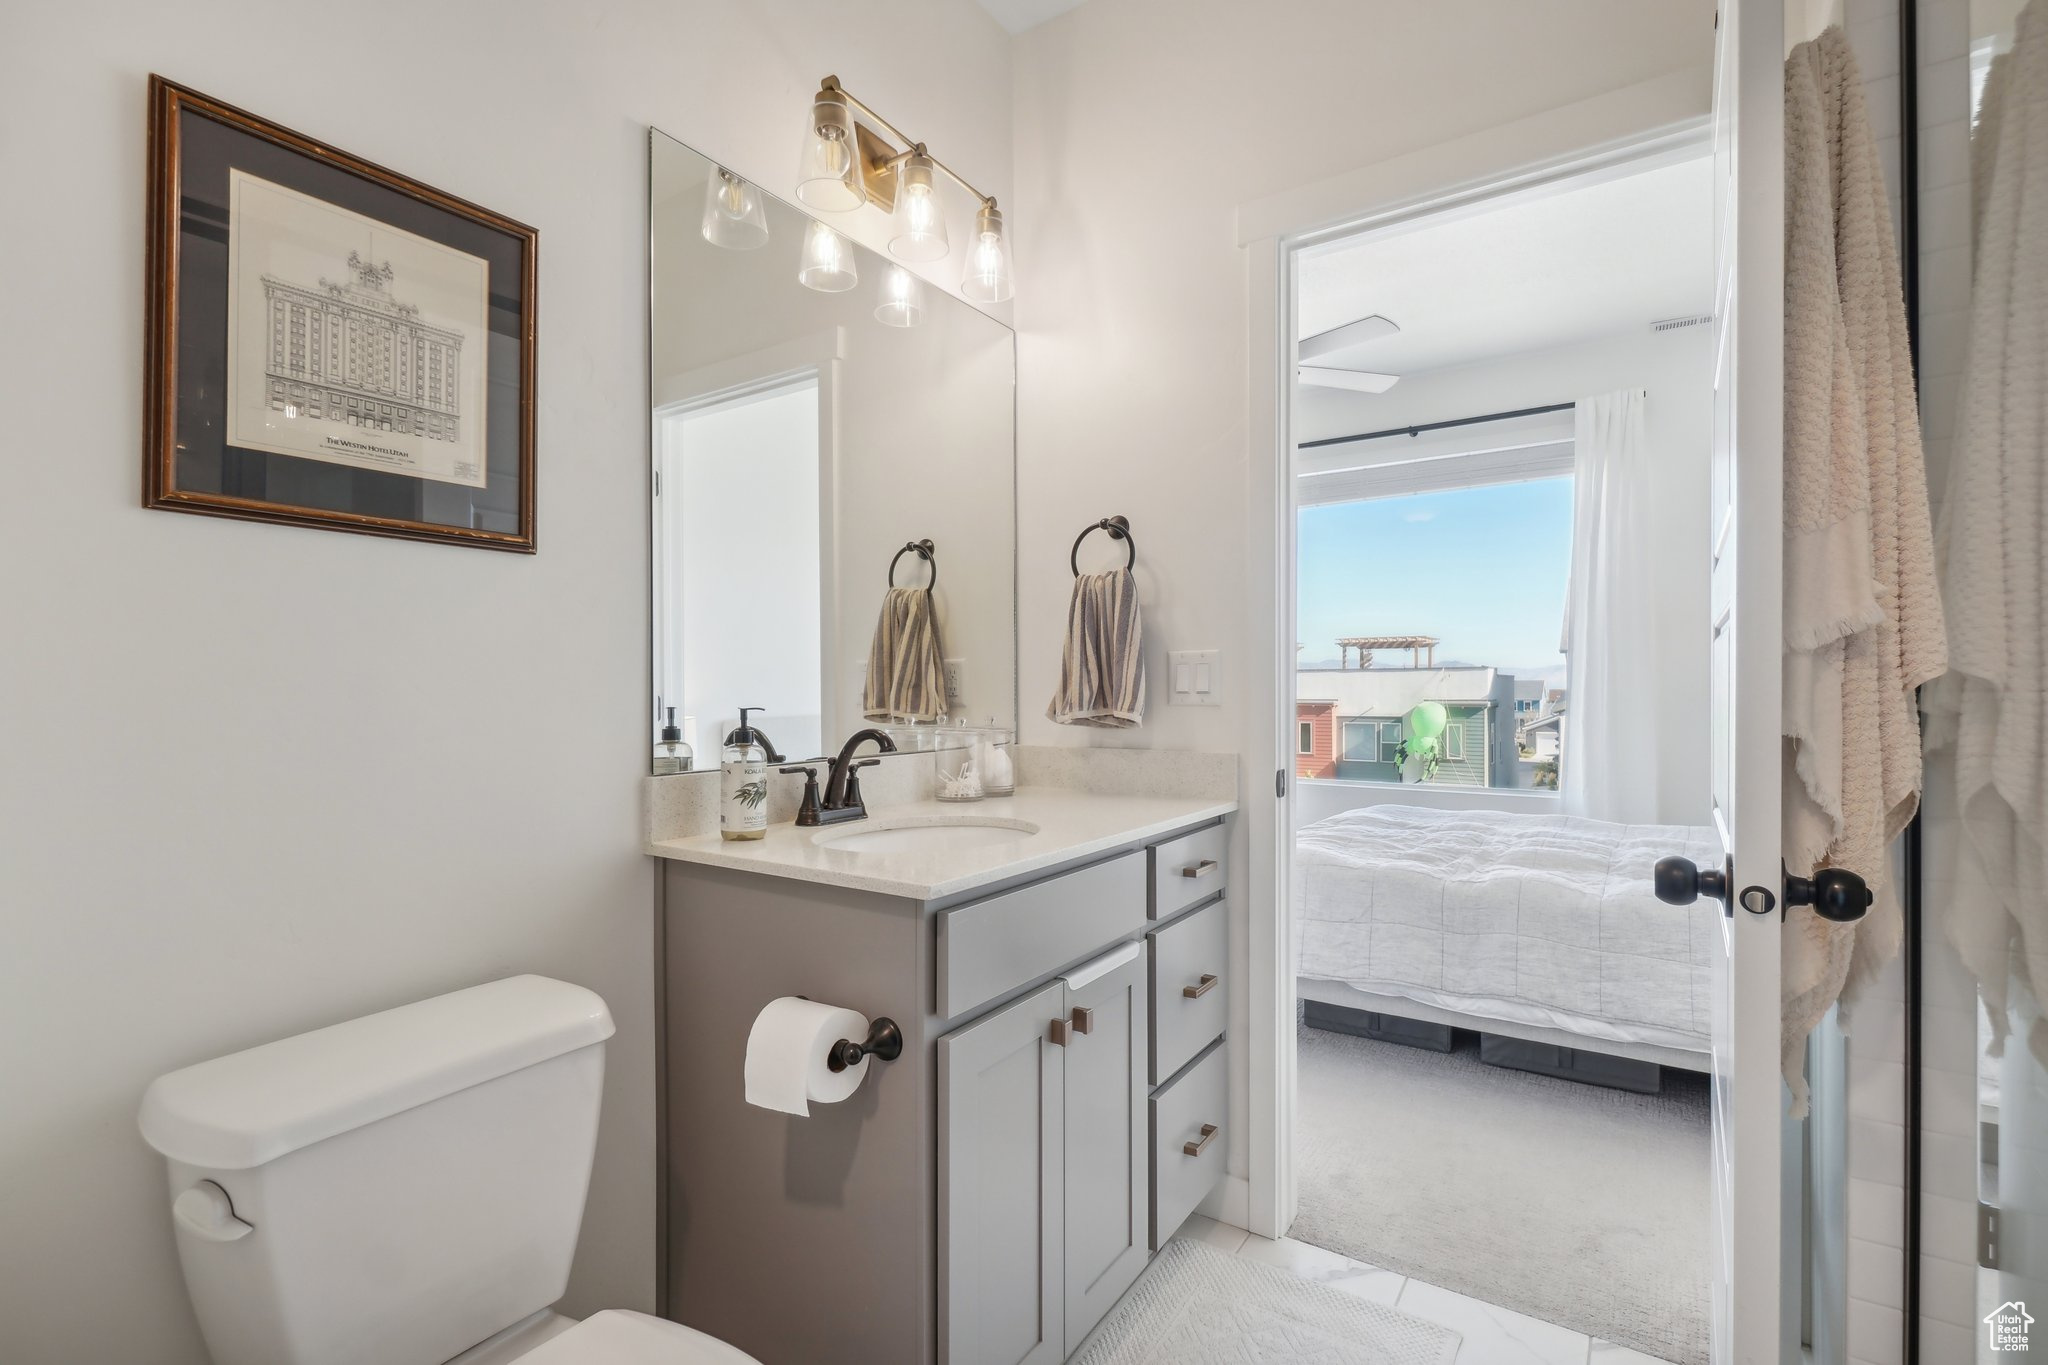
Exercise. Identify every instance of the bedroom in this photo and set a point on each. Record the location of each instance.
(1502, 420)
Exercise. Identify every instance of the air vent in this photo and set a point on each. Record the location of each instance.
(1674, 324)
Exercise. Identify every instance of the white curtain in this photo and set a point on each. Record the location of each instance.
(1611, 725)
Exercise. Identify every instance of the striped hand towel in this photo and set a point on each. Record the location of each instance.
(1102, 668)
(907, 661)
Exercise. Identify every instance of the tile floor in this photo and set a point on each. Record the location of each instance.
(1492, 1336)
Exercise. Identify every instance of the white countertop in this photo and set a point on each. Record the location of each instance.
(1071, 825)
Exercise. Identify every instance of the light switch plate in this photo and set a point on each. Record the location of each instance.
(1194, 678)
(956, 683)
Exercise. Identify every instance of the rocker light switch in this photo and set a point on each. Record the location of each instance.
(1197, 681)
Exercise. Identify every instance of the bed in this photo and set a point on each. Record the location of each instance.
(1541, 928)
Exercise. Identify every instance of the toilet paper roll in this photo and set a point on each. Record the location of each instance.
(787, 1052)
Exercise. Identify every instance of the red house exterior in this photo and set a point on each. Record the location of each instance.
(1317, 722)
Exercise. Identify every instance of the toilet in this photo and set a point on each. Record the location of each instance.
(405, 1189)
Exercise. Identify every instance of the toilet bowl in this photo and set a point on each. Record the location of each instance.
(405, 1188)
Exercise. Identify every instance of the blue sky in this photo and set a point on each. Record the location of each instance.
(1482, 569)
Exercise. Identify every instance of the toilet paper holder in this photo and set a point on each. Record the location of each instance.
(884, 1043)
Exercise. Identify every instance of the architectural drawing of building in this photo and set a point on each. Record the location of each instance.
(352, 353)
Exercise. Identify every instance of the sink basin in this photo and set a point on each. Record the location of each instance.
(926, 837)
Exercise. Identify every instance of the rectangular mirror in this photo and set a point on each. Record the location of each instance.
(825, 426)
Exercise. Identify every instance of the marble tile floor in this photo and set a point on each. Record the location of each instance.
(1492, 1336)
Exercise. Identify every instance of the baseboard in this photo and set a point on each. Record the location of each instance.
(1230, 1202)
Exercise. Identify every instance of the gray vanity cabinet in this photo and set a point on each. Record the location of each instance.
(988, 1196)
(1002, 1134)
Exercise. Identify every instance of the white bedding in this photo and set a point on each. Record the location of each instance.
(1541, 919)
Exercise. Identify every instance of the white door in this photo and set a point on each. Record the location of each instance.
(1749, 1263)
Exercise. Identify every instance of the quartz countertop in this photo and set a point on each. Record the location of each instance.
(1071, 825)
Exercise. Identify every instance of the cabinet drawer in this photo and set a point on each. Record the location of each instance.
(991, 946)
(1188, 955)
(1196, 1100)
(1191, 868)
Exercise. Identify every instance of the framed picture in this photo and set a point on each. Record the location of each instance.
(330, 343)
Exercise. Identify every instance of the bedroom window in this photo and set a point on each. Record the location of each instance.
(1305, 740)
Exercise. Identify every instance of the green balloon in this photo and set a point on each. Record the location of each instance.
(1427, 720)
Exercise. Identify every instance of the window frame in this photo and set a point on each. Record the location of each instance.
(1454, 728)
(1305, 738)
(1344, 740)
(1390, 749)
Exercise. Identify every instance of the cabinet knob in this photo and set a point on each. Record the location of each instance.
(1209, 980)
(1083, 1019)
(1209, 1132)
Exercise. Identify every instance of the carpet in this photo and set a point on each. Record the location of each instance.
(1195, 1305)
(1577, 1205)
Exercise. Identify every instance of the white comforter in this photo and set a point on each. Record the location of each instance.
(1531, 918)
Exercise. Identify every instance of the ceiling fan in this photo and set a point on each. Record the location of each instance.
(1321, 358)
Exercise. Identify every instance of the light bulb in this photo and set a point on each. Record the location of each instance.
(733, 215)
(828, 264)
(902, 302)
(987, 276)
(919, 230)
(829, 175)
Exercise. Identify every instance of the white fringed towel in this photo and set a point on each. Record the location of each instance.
(1992, 709)
(1863, 623)
(1102, 662)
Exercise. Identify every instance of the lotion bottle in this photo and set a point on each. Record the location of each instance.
(743, 783)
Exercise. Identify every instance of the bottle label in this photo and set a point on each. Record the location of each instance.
(745, 785)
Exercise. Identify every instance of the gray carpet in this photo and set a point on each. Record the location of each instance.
(1578, 1205)
(1195, 1305)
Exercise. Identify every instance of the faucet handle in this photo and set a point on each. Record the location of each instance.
(807, 813)
(853, 797)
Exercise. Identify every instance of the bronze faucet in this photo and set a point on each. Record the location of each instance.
(842, 800)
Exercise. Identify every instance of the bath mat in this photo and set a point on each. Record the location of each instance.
(1195, 1305)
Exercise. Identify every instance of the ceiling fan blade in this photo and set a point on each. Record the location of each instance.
(1341, 338)
(1359, 381)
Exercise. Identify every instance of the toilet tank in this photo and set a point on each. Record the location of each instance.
(392, 1189)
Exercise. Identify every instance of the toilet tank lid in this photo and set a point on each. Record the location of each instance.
(252, 1107)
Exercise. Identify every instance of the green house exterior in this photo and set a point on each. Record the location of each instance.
(1366, 746)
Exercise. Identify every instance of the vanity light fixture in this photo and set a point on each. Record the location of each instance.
(853, 156)
(902, 302)
(828, 265)
(734, 217)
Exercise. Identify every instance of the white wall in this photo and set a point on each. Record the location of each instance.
(255, 779)
(1142, 126)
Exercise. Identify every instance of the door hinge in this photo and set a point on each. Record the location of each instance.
(1279, 783)
(1987, 1235)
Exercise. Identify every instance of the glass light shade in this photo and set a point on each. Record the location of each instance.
(902, 302)
(828, 265)
(828, 177)
(733, 215)
(987, 276)
(918, 232)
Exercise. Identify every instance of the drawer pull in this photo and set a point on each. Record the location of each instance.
(1084, 1020)
(1201, 869)
(1209, 980)
(1059, 1033)
(1209, 1132)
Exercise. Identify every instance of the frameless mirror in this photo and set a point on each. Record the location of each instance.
(825, 427)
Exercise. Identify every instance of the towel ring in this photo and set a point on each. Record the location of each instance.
(923, 550)
(1119, 528)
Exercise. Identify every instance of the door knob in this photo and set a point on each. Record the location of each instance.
(1680, 881)
(1835, 893)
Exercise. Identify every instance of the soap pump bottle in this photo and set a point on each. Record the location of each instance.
(672, 755)
(743, 783)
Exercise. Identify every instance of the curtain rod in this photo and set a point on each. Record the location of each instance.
(1421, 427)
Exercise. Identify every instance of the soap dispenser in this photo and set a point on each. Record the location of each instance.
(743, 783)
(672, 755)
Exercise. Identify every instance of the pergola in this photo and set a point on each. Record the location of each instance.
(1416, 645)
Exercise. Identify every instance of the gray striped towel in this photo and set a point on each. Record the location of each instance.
(1102, 667)
(907, 661)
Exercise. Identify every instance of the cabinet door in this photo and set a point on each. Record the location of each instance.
(1108, 1177)
(1001, 1123)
